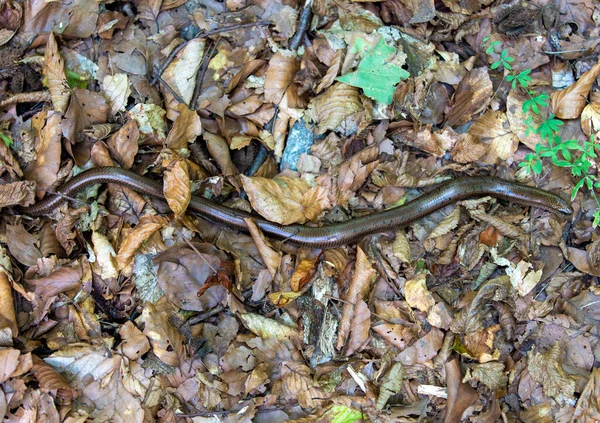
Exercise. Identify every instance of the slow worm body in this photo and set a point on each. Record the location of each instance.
(319, 237)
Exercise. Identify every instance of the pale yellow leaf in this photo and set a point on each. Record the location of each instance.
(105, 255)
(417, 295)
(116, 90)
(181, 72)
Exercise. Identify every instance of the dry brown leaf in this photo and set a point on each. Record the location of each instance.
(297, 384)
(61, 280)
(506, 229)
(468, 149)
(281, 299)
(54, 71)
(396, 335)
(359, 333)
(134, 343)
(280, 75)
(186, 128)
(22, 245)
(364, 275)
(546, 368)
(8, 318)
(9, 360)
(480, 345)
(186, 276)
(492, 129)
(219, 150)
(50, 380)
(177, 185)
(588, 404)
(285, 200)
(44, 170)
(248, 69)
(333, 70)
(568, 103)
(123, 145)
(85, 109)
(21, 193)
(267, 328)
(246, 106)
(167, 342)
(424, 350)
(140, 234)
(332, 107)
(517, 119)
(460, 395)
(472, 95)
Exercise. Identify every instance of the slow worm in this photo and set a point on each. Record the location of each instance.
(326, 236)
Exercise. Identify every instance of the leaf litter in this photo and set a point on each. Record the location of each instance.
(117, 307)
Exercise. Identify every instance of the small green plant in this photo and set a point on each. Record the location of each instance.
(570, 153)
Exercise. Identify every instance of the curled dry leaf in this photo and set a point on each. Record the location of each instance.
(142, 232)
(447, 224)
(285, 200)
(332, 107)
(186, 128)
(177, 185)
(568, 103)
(9, 360)
(54, 71)
(270, 257)
(460, 395)
(590, 119)
(304, 273)
(219, 150)
(424, 350)
(50, 380)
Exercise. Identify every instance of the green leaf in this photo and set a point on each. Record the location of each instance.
(7, 139)
(576, 189)
(75, 80)
(376, 75)
(537, 167)
(596, 219)
(496, 65)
